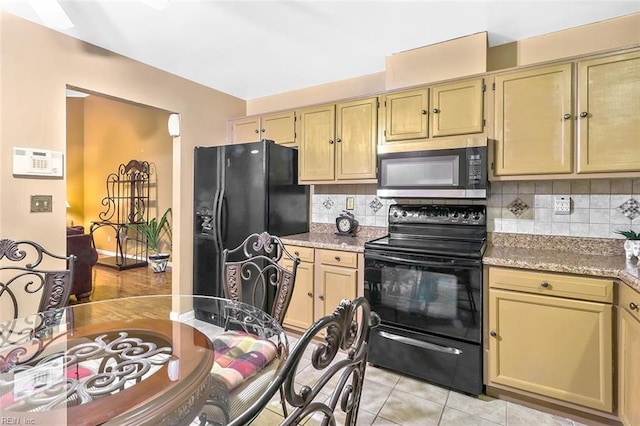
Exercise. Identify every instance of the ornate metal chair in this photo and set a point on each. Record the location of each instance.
(252, 268)
(347, 329)
(23, 277)
(251, 272)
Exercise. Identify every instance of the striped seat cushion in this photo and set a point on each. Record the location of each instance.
(239, 356)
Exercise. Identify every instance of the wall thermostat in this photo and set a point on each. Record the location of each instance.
(37, 162)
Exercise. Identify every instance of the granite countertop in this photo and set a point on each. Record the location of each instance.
(323, 236)
(546, 259)
(327, 241)
(600, 258)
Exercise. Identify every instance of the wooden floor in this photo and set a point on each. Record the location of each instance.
(109, 283)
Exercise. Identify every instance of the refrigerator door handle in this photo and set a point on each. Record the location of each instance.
(219, 238)
(216, 196)
(224, 214)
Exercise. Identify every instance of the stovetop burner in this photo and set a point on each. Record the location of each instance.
(472, 249)
(449, 230)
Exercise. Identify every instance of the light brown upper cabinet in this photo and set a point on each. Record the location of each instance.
(456, 108)
(545, 126)
(244, 130)
(278, 127)
(337, 142)
(534, 130)
(609, 114)
(427, 114)
(406, 115)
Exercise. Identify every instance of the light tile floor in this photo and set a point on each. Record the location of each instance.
(389, 398)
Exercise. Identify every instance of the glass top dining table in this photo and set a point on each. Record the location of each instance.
(138, 360)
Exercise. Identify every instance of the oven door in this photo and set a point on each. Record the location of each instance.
(425, 293)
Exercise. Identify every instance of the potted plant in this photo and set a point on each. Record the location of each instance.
(632, 244)
(153, 232)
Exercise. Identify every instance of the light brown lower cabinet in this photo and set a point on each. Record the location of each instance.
(629, 357)
(323, 279)
(300, 312)
(545, 342)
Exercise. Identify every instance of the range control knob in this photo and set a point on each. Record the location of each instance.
(395, 214)
(465, 215)
(404, 214)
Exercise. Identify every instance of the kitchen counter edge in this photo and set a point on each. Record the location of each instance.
(327, 241)
(616, 267)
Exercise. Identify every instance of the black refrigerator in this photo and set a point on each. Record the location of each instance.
(240, 190)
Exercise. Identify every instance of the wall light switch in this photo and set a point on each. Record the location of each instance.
(41, 203)
(350, 203)
(561, 204)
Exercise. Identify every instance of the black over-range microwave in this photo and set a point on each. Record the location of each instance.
(442, 173)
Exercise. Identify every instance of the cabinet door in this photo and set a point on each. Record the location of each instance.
(317, 143)
(406, 115)
(629, 363)
(356, 138)
(629, 369)
(335, 284)
(552, 346)
(609, 114)
(280, 128)
(300, 312)
(457, 108)
(534, 129)
(245, 130)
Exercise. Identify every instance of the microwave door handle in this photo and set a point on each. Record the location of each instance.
(411, 262)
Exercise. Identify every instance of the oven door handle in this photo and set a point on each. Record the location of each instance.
(401, 260)
(420, 343)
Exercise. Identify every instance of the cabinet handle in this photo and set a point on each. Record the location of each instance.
(633, 306)
(436, 111)
(262, 130)
(338, 140)
(424, 112)
(493, 334)
(583, 114)
(566, 116)
(310, 294)
(337, 258)
(330, 141)
(544, 284)
(321, 297)
(296, 253)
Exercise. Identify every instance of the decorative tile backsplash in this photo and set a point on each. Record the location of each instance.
(369, 210)
(598, 207)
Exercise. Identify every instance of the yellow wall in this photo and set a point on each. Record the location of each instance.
(36, 66)
(114, 133)
(74, 166)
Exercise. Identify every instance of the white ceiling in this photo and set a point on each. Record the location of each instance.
(251, 49)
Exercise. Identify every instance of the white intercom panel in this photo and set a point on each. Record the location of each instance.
(37, 162)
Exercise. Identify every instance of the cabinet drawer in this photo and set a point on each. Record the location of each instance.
(551, 284)
(630, 300)
(304, 253)
(339, 258)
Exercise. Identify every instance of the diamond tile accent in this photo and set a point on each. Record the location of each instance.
(630, 208)
(375, 205)
(517, 207)
(328, 203)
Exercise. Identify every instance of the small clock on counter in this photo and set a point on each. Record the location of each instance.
(346, 224)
